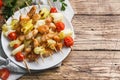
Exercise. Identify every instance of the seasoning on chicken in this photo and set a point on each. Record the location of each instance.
(32, 11)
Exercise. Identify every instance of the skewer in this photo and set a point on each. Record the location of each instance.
(55, 50)
(27, 4)
(36, 61)
(39, 4)
(51, 57)
(49, 3)
(42, 57)
(61, 51)
(33, 38)
(24, 61)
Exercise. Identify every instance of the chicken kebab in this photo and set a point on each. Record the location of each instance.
(37, 35)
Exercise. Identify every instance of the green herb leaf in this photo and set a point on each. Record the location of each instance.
(61, 0)
(63, 7)
(54, 0)
(64, 4)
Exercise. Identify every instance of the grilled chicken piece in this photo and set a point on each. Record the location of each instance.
(48, 52)
(43, 29)
(35, 18)
(59, 46)
(32, 11)
(32, 57)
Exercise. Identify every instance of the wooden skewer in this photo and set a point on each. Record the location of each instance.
(36, 61)
(19, 11)
(49, 3)
(61, 51)
(24, 61)
(27, 4)
(51, 57)
(39, 4)
(42, 57)
(55, 50)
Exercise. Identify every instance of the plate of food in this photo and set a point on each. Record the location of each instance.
(37, 35)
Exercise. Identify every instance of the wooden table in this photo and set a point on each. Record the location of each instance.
(96, 52)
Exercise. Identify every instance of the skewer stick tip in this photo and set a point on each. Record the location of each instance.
(49, 3)
(27, 66)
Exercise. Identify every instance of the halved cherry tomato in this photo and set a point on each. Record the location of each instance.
(53, 10)
(1, 3)
(16, 45)
(12, 36)
(59, 26)
(4, 73)
(19, 57)
(68, 41)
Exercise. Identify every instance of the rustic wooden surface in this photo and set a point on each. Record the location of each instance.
(96, 53)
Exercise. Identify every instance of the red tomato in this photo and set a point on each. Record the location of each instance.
(12, 36)
(1, 3)
(68, 41)
(59, 26)
(53, 10)
(16, 45)
(19, 57)
(4, 73)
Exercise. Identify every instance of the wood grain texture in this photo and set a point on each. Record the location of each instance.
(96, 32)
(98, 7)
(83, 65)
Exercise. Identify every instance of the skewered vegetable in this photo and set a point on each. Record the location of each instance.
(53, 10)
(65, 33)
(57, 17)
(18, 49)
(39, 50)
(12, 36)
(12, 43)
(68, 41)
(27, 27)
(59, 26)
(44, 12)
(19, 56)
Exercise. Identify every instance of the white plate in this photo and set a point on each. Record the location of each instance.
(48, 62)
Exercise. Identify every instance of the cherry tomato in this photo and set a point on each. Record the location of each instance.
(19, 57)
(53, 10)
(59, 26)
(68, 41)
(12, 36)
(4, 73)
(1, 3)
(16, 45)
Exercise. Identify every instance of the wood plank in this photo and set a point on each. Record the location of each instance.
(84, 65)
(96, 32)
(99, 7)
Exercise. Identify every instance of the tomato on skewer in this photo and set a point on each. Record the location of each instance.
(53, 10)
(4, 73)
(19, 56)
(12, 36)
(68, 41)
(59, 26)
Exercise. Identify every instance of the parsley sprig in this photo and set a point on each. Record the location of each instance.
(64, 5)
(10, 6)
